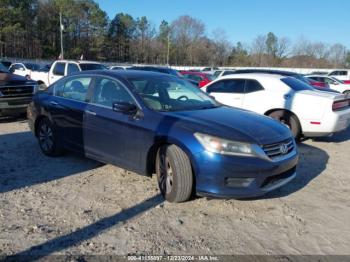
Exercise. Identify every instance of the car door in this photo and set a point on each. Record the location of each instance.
(254, 99)
(57, 72)
(67, 109)
(115, 137)
(228, 91)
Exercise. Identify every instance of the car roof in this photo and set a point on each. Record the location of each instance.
(266, 71)
(253, 76)
(79, 61)
(195, 73)
(123, 73)
(315, 75)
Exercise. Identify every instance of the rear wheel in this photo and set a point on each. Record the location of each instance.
(289, 120)
(174, 174)
(47, 138)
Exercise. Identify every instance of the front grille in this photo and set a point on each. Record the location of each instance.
(15, 91)
(280, 149)
(274, 180)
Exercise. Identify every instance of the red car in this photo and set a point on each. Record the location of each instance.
(201, 78)
(318, 84)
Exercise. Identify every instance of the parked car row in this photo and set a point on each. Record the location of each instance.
(307, 112)
(233, 136)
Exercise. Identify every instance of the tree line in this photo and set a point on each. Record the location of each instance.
(31, 29)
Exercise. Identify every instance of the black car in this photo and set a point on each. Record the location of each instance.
(15, 93)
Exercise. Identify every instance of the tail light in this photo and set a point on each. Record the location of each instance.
(346, 82)
(340, 105)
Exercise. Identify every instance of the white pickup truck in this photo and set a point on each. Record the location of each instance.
(61, 68)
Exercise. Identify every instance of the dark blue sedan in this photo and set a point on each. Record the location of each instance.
(150, 123)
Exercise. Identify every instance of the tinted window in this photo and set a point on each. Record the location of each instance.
(72, 68)
(59, 69)
(216, 74)
(296, 84)
(108, 91)
(339, 73)
(3, 68)
(193, 77)
(318, 79)
(253, 86)
(227, 86)
(31, 66)
(75, 88)
(18, 66)
(85, 67)
(228, 73)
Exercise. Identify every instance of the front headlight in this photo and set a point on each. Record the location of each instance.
(223, 146)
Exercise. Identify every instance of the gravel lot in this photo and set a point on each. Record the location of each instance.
(71, 205)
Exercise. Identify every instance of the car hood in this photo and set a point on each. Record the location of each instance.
(233, 123)
(12, 79)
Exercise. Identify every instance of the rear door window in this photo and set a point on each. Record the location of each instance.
(72, 68)
(227, 86)
(253, 86)
(59, 69)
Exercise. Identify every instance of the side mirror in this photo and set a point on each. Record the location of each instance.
(124, 107)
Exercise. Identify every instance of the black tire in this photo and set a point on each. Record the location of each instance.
(289, 120)
(47, 139)
(174, 174)
(346, 92)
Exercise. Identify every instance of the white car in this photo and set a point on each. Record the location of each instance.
(24, 69)
(61, 68)
(340, 74)
(332, 82)
(307, 112)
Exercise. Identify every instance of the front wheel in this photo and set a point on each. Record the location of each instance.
(289, 120)
(47, 138)
(174, 174)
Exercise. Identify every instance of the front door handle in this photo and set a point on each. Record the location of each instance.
(54, 103)
(90, 112)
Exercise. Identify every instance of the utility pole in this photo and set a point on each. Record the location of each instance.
(168, 51)
(61, 34)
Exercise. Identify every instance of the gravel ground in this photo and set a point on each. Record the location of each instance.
(71, 205)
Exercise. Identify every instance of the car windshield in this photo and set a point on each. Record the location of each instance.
(337, 80)
(92, 66)
(163, 93)
(3, 68)
(210, 77)
(31, 66)
(296, 85)
(216, 74)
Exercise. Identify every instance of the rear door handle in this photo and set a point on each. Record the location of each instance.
(90, 112)
(54, 103)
